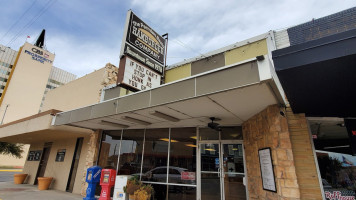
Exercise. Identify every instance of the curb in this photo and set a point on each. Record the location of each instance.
(10, 170)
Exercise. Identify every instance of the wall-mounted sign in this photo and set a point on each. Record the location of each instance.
(61, 153)
(144, 38)
(267, 174)
(137, 55)
(339, 195)
(142, 55)
(137, 76)
(188, 176)
(39, 55)
(34, 155)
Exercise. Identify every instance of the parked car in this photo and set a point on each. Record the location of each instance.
(176, 175)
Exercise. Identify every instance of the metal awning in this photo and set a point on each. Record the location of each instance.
(318, 76)
(38, 128)
(232, 93)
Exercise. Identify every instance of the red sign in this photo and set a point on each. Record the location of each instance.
(336, 195)
(353, 133)
(188, 176)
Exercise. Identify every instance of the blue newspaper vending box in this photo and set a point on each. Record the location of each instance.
(93, 177)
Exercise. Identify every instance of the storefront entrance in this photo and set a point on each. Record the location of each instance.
(221, 172)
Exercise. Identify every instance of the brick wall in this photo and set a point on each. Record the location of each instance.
(303, 156)
(270, 129)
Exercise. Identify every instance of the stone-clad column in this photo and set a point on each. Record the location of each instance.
(91, 157)
(270, 129)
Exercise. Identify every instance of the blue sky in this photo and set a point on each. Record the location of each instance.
(85, 35)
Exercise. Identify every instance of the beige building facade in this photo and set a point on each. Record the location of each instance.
(29, 73)
(219, 127)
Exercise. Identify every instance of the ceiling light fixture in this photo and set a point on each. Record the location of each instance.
(210, 149)
(164, 116)
(107, 123)
(191, 145)
(137, 121)
(167, 140)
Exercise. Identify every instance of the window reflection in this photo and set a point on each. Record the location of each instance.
(231, 133)
(109, 150)
(155, 155)
(131, 152)
(181, 193)
(208, 134)
(182, 156)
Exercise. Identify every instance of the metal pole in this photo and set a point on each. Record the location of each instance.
(7, 105)
(165, 58)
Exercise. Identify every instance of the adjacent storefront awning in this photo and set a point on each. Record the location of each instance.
(38, 128)
(318, 76)
(232, 93)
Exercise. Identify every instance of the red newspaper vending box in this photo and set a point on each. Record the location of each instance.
(107, 181)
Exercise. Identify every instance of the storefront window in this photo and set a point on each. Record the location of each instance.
(109, 150)
(131, 152)
(208, 134)
(182, 161)
(337, 166)
(155, 155)
(338, 174)
(181, 193)
(231, 133)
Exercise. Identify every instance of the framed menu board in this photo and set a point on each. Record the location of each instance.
(34, 155)
(267, 174)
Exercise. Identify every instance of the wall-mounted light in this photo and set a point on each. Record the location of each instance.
(164, 116)
(260, 58)
(137, 121)
(107, 123)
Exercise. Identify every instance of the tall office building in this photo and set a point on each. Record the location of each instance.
(25, 78)
(7, 59)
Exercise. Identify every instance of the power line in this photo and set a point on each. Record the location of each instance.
(176, 40)
(12, 26)
(33, 20)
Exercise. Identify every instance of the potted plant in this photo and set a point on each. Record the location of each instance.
(133, 184)
(144, 192)
(19, 178)
(44, 182)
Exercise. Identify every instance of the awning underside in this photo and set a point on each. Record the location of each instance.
(233, 94)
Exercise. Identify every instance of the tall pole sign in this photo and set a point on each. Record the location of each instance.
(142, 56)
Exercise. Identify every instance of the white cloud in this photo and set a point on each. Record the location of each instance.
(86, 35)
(80, 57)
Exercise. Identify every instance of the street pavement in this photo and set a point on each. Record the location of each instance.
(11, 191)
(7, 175)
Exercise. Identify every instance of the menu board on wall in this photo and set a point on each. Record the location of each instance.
(267, 174)
(34, 155)
(61, 153)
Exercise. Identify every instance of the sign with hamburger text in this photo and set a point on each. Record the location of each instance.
(142, 56)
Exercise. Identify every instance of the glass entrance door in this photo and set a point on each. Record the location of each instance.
(233, 171)
(222, 170)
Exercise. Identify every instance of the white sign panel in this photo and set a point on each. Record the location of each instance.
(139, 76)
(267, 173)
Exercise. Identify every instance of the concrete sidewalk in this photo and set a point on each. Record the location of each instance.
(10, 191)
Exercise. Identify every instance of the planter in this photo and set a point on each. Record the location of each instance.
(19, 178)
(44, 182)
(131, 197)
